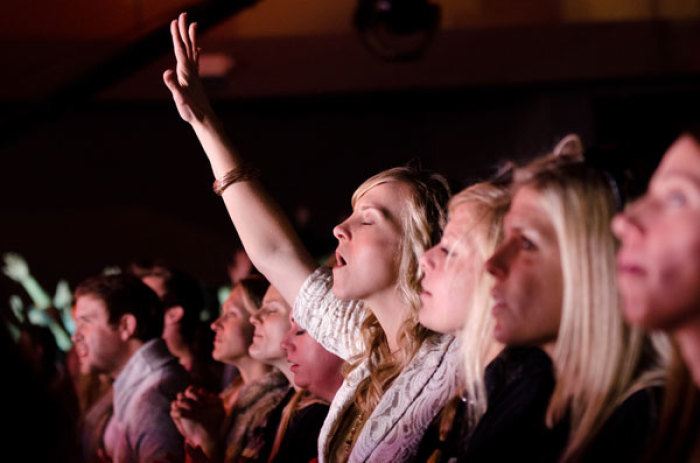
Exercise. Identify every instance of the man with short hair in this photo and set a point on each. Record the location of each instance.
(186, 336)
(118, 325)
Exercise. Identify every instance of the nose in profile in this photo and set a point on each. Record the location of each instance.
(341, 231)
(498, 264)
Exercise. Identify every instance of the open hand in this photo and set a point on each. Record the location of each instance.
(183, 82)
(15, 267)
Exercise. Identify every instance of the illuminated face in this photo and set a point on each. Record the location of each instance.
(99, 346)
(527, 267)
(313, 366)
(451, 271)
(369, 241)
(271, 324)
(659, 259)
(234, 332)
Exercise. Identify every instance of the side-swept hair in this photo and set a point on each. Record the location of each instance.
(125, 294)
(489, 203)
(422, 224)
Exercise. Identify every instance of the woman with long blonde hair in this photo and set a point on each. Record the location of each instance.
(555, 288)
(455, 300)
(365, 309)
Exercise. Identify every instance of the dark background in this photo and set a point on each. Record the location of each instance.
(99, 171)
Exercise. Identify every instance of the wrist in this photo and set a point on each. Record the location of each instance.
(207, 123)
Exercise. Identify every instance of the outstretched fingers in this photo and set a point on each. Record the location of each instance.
(193, 43)
(182, 30)
(178, 45)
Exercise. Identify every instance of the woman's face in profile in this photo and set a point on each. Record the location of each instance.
(659, 257)
(528, 292)
(450, 272)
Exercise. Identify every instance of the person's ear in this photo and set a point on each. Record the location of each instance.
(127, 326)
(173, 315)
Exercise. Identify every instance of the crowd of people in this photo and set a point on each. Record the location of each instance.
(538, 315)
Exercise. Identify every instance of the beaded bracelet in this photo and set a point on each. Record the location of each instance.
(238, 174)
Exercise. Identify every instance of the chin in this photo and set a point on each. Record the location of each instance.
(501, 336)
(429, 323)
(637, 313)
(341, 293)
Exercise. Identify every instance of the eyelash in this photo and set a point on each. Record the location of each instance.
(676, 198)
(300, 333)
(526, 244)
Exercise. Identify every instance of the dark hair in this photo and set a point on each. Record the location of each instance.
(125, 294)
(255, 288)
(41, 336)
(180, 290)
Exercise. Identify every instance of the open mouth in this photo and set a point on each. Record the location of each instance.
(339, 260)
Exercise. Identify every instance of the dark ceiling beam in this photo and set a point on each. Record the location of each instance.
(125, 62)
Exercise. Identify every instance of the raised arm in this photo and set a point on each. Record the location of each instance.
(267, 235)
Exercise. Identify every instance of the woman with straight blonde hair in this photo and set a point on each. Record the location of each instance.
(364, 310)
(457, 298)
(555, 288)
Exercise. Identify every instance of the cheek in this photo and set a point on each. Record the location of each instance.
(459, 295)
(675, 290)
(277, 329)
(381, 252)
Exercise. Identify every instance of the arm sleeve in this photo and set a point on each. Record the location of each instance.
(157, 439)
(334, 323)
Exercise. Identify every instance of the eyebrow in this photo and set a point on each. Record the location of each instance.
(85, 317)
(537, 226)
(671, 174)
(381, 210)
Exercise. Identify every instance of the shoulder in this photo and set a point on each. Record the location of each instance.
(310, 416)
(639, 408)
(625, 433)
(317, 286)
(521, 372)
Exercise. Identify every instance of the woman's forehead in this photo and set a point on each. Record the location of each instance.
(682, 158)
(390, 196)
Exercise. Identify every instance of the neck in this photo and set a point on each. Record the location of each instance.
(391, 312)
(250, 369)
(179, 348)
(688, 339)
(327, 390)
(130, 348)
(283, 366)
(548, 348)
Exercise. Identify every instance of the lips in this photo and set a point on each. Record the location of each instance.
(499, 303)
(629, 267)
(339, 259)
(80, 350)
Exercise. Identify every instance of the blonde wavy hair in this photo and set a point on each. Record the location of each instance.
(599, 359)
(489, 202)
(422, 224)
